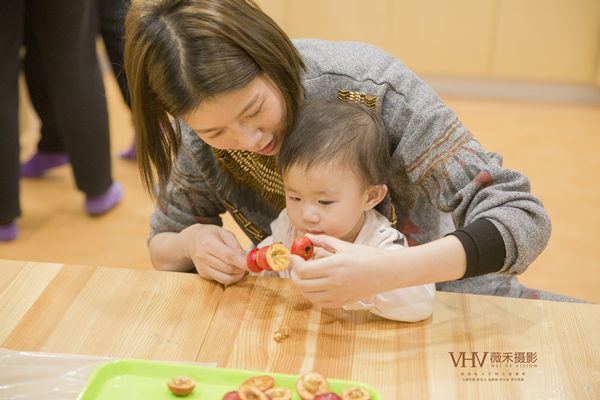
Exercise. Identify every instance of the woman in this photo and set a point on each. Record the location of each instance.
(234, 84)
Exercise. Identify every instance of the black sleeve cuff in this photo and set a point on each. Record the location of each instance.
(484, 247)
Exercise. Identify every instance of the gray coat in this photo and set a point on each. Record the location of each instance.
(437, 164)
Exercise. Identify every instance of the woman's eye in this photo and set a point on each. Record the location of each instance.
(215, 135)
(255, 113)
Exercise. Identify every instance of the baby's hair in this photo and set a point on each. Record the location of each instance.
(345, 132)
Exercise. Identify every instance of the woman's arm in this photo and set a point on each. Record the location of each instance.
(185, 225)
(355, 271)
(409, 304)
(213, 251)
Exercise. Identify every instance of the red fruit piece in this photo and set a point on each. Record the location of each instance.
(303, 247)
(251, 261)
(231, 396)
(261, 259)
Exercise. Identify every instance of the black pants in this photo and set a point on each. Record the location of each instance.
(111, 15)
(63, 35)
(111, 19)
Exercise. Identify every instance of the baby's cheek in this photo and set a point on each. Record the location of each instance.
(291, 211)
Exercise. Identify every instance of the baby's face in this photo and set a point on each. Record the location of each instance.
(328, 198)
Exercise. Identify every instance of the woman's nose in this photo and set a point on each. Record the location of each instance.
(249, 137)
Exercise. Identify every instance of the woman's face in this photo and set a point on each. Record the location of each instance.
(251, 118)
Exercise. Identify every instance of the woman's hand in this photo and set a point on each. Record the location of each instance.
(216, 253)
(213, 251)
(349, 273)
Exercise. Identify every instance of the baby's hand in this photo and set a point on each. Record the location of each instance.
(342, 274)
(320, 252)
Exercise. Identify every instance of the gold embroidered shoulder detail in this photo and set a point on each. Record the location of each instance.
(258, 234)
(259, 172)
(358, 97)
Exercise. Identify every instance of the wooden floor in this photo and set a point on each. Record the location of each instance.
(555, 145)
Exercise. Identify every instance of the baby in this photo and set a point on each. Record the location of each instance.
(331, 172)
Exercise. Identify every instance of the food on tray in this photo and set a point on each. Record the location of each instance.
(355, 393)
(311, 384)
(279, 393)
(247, 392)
(262, 382)
(328, 396)
(281, 333)
(111, 380)
(303, 247)
(181, 385)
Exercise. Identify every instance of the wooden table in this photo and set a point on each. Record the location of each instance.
(472, 347)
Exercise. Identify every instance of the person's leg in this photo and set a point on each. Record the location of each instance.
(11, 38)
(66, 34)
(112, 27)
(50, 150)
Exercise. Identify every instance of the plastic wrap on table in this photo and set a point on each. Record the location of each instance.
(33, 375)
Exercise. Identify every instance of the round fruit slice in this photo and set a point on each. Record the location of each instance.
(311, 384)
(274, 257)
(355, 393)
(262, 382)
(277, 257)
(280, 393)
(303, 247)
(328, 396)
(251, 261)
(181, 385)
(247, 392)
(261, 258)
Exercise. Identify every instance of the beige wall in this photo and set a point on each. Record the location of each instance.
(534, 40)
(598, 72)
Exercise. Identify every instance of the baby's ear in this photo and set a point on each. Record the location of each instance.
(375, 193)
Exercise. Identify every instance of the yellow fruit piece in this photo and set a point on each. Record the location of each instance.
(277, 257)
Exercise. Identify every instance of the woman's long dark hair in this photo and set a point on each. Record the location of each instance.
(179, 53)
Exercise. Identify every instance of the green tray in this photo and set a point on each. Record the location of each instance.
(147, 380)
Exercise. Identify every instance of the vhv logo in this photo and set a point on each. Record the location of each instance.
(473, 359)
(493, 366)
(464, 359)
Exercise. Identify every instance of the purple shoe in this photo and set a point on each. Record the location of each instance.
(41, 162)
(8, 232)
(105, 202)
(129, 154)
